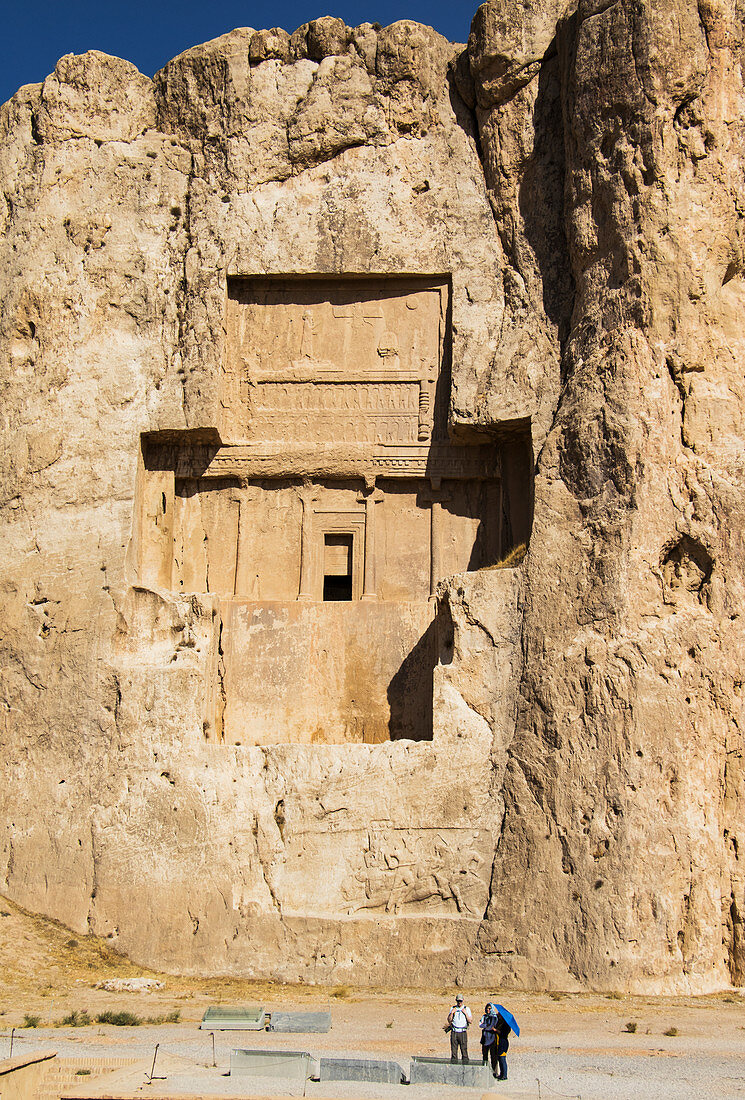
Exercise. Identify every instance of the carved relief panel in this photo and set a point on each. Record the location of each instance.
(333, 360)
(389, 871)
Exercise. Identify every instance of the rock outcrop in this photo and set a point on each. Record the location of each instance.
(573, 179)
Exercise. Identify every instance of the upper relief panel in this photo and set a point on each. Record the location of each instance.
(329, 361)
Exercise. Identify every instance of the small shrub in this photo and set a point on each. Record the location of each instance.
(119, 1019)
(168, 1018)
(390, 1024)
(31, 1021)
(82, 1073)
(631, 1026)
(76, 1019)
(672, 1032)
(4, 913)
(555, 995)
(341, 992)
(613, 997)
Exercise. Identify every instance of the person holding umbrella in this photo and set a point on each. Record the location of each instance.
(506, 1023)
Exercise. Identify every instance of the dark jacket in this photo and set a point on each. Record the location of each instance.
(486, 1023)
(503, 1036)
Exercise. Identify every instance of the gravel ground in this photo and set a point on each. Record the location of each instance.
(575, 1049)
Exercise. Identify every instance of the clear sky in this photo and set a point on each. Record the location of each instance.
(35, 33)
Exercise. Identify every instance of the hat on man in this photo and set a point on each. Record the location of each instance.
(459, 998)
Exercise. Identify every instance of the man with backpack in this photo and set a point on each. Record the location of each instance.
(459, 1018)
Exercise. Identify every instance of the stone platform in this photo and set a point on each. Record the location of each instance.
(444, 1072)
(290, 1064)
(226, 1018)
(361, 1069)
(300, 1022)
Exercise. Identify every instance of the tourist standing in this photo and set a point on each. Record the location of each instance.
(501, 1046)
(459, 1018)
(488, 1024)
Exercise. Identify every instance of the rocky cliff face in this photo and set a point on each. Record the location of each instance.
(578, 815)
(624, 783)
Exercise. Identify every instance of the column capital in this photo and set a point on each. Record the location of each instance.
(308, 493)
(377, 496)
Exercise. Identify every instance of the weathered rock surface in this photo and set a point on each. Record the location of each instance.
(624, 783)
(577, 818)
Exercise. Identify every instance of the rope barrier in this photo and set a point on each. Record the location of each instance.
(566, 1095)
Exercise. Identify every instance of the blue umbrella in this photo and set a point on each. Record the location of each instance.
(508, 1018)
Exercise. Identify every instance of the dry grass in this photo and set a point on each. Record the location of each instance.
(515, 557)
(42, 961)
(120, 1019)
(41, 953)
(76, 1018)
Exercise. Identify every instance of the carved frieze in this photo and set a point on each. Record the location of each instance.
(333, 360)
(384, 459)
(390, 871)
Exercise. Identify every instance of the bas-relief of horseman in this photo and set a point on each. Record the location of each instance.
(397, 877)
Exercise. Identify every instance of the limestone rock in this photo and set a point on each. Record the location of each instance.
(618, 742)
(338, 112)
(95, 96)
(269, 45)
(508, 45)
(327, 37)
(130, 985)
(453, 335)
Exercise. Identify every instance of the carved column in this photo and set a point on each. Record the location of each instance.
(426, 404)
(307, 496)
(240, 518)
(500, 523)
(157, 528)
(437, 499)
(370, 497)
(435, 562)
(245, 585)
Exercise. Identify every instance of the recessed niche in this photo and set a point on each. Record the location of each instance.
(337, 568)
(686, 567)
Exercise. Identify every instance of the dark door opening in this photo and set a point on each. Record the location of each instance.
(337, 567)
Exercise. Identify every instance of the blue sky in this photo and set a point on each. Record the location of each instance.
(35, 35)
